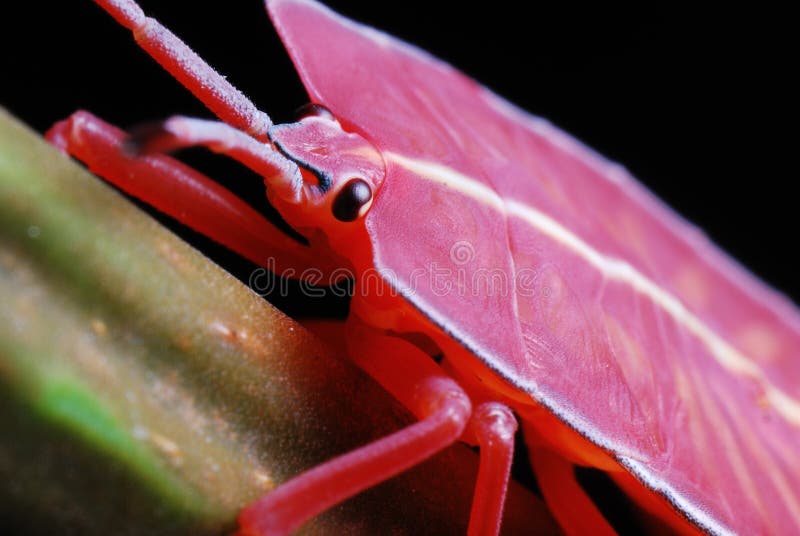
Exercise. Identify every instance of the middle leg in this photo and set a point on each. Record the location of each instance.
(495, 427)
(492, 426)
(440, 404)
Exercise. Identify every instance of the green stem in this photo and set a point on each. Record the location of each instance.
(145, 390)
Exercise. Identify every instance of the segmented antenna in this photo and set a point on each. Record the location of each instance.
(211, 88)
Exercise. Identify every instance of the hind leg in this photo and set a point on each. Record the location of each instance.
(568, 502)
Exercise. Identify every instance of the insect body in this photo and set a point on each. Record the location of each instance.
(619, 336)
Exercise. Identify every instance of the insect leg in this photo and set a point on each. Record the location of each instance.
(441, 405)
(178, 191)
(212, 89)
(494, 426)
(180, 132)
(568, 502)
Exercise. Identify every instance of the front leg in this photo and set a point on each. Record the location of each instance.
(186, 194)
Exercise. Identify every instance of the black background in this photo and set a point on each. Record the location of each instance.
(699, 105)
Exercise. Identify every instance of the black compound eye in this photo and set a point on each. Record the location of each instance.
(312, 109)
(351, 199)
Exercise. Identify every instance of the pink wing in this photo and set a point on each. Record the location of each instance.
(613, 311)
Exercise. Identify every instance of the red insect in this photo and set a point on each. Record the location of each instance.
(556, 287)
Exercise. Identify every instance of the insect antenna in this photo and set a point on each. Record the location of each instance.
(205, 83)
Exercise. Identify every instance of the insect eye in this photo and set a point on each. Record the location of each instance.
(351, 200)
(313, 110)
